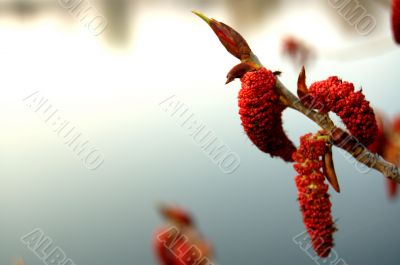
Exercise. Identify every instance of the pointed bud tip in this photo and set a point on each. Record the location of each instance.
(302, 89)
(329, 169)
(335, 186)
(301, 81)
(229, 80)
(233, 42)
(202, 16)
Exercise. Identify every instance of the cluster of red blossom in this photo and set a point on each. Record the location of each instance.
(261, 110)
(339, 97)
(179, 242)
(387, 145)
(313, 191)
(261, 114)
(261, 106)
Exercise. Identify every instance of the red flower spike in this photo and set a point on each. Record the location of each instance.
(313, 194)
(352, 107)
(396, 20)
(261, 114)
(234, 43)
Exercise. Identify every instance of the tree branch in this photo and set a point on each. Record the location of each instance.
(238, 47)
(340, 138)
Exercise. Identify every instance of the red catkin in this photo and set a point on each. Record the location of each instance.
(351, 106)
(261, 114)
(313, 194)
(396, 20)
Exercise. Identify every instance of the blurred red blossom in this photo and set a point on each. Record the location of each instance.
(179, 242)
(387, 145)
(396, 20)
(297, 51)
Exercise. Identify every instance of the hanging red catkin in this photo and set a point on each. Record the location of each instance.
(351, 106)
(260, 106)
(313, 192)
(261, 114)
(396, 20)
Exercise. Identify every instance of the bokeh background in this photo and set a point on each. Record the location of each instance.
(110, 87)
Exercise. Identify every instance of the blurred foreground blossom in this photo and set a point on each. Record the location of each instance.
(179, 242)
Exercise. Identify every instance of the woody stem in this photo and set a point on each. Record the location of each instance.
(340, 138)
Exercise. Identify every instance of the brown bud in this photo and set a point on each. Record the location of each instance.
(329, 170)
(230, 38)
(302, 89)
(240, 70)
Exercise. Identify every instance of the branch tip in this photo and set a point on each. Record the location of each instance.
(202, 16)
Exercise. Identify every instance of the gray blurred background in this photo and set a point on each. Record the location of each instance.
(110, 86)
